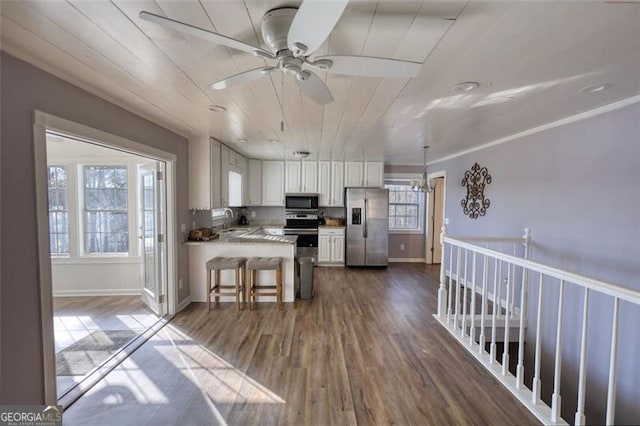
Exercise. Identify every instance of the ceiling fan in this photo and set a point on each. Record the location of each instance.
(293, 34)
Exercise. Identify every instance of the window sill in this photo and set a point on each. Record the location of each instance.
(90, 260)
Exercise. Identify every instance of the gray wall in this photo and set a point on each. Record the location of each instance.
(578, 188)
(25, 89)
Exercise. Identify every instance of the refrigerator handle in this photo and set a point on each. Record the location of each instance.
(366, 218)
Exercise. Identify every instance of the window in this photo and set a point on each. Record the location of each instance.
(405, 206)
(58, 211)
(106, 221)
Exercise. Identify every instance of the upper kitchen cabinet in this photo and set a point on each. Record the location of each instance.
(331, 183)
(324, 183)
(374, 174)
(254, 183)
(224, 176)
(354, 173)
(204, 173)
(301, 176)
(273, 183)
(370, 173)
(337, 183)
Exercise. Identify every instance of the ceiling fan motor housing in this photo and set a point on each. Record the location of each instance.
(275, 27)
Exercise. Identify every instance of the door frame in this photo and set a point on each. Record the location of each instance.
(43, 122)
(429, 231)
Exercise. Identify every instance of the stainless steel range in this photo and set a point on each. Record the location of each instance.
(304, 224)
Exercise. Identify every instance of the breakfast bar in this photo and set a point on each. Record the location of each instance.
(247, 242)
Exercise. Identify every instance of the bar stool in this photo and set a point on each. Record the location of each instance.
(218, 264)
(256, 264)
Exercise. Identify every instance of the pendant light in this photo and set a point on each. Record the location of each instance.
(424, 184)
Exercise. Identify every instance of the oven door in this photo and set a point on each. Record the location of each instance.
(306, 237)
(301, 201)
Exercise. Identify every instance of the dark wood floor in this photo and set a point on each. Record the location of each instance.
(366, 350)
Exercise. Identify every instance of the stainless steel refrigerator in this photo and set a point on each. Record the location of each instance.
(367, 226)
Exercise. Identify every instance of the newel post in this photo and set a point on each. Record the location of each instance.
(442, 290)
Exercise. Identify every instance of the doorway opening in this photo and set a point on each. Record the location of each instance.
(435, 218)
(107, 250)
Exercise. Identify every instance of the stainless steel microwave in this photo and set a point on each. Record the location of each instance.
(301, 201)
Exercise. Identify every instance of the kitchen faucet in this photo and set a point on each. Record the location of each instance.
(227, 210)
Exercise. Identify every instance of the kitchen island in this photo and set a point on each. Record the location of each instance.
(246, 242)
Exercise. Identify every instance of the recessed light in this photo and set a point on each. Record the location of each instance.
(216, 108)
(595, 88)
(273, 140)
(466, 86)
(243, 140)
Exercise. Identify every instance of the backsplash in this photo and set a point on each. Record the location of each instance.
(255, 215)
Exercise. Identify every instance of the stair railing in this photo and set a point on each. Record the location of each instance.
(505, 263)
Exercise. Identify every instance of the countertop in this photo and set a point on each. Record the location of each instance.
(249, 235)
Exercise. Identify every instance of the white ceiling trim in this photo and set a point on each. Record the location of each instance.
(564, 121)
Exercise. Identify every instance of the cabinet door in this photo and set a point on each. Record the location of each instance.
(293, 181)
(337, 183)
(254, 183)
(337, 249)
(374, 174)
(244, 171)
(324, 249)
(224, 176)
(309, 176)
(324, 183)
(216, 196)
(273, 183)
(200, 166)
(354, 172)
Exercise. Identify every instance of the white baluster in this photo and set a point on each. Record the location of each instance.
(512, 278)
(464, 298)
(449, 293)
(483, 309)
(536, 373)
(507, 318)
(499, 296)
(472, 314)
(556, 400)
(442, 290)
(523, 310)
(613, 363)
(492, 346)
(458, 260)
(582, 378)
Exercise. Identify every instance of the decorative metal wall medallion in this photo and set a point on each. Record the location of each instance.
(475, 204)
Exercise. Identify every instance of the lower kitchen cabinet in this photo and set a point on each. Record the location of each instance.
(331, 245)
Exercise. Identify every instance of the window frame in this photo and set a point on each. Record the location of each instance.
(421, 203)
(68, 189)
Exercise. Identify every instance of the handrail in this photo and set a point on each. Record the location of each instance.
(610, 289)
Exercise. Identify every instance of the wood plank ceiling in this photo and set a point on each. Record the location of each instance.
(531, 59)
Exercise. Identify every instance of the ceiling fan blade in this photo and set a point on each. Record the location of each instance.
(242, 77)
(205, 34)
(313, 23)
(314, 88)
(367, 66)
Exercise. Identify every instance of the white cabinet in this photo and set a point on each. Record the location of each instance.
(353, 173)
(204, 173)
(337, 183)
(309, 176)
(224, 176)
(373, 173)
(254, 183)
(331, 245)
(273, 183)
(324, 183)
(293, 176)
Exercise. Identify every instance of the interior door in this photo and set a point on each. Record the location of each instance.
(151, 192)
(437, 219)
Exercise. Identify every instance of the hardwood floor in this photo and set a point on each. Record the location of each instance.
(366, 350)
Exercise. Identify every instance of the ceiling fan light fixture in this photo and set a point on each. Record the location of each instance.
(595, 88)
(216, 108)
(301, 154)
(465, 86)
(303, 75)
(323, 64)
(299, 49)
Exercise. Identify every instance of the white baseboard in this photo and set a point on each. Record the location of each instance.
(98, 292)
(406, 259)
(186, 302)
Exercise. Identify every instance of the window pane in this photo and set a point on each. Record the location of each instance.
(404, 207)
(106, 216)
(58, 216)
